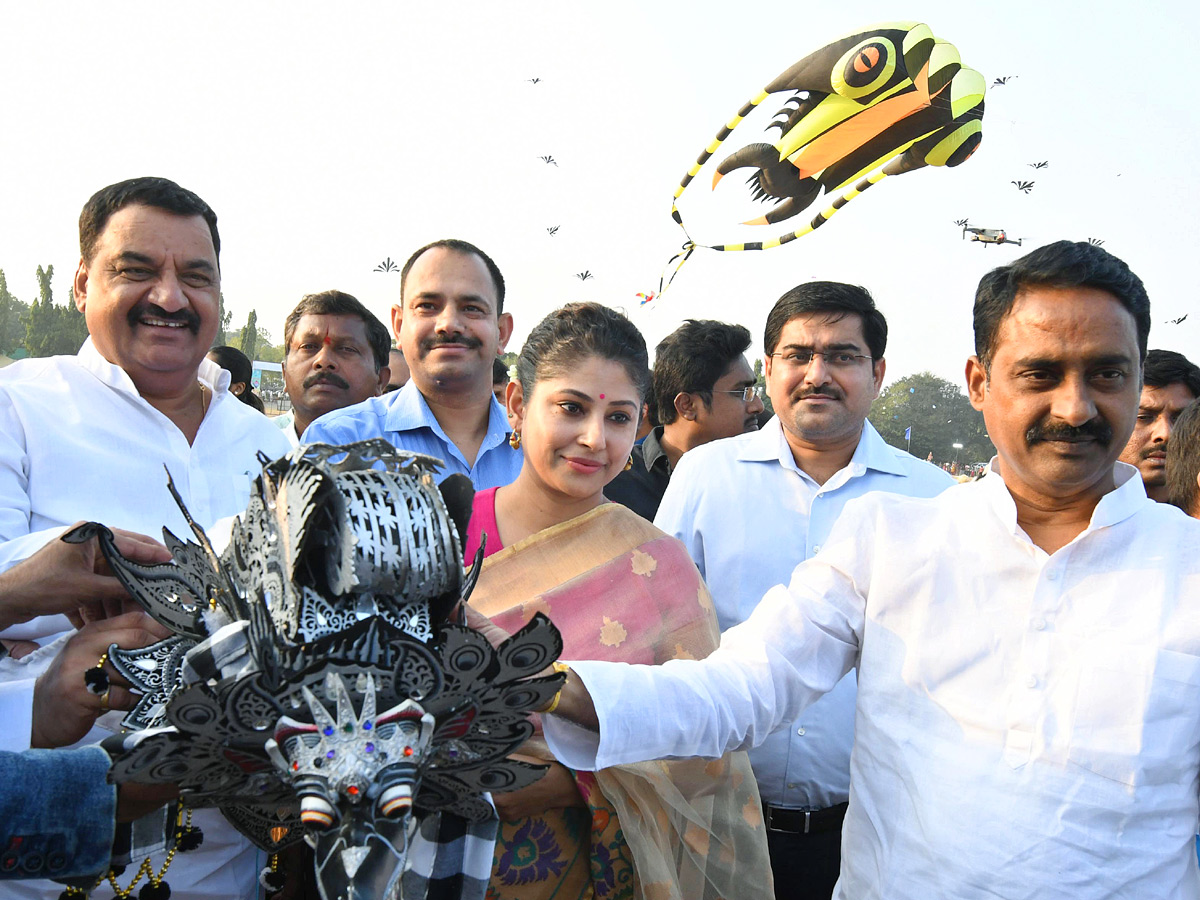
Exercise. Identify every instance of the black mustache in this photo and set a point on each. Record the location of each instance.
(187, 316)
(460, 340)
(326, 378)
(1097, 430)
(826, 391)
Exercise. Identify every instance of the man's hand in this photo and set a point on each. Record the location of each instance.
(73, 579)
(63, 708)
(136, 800)
(554, 790)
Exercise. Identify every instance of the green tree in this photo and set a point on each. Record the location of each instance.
(12, 319)
(940, 416)
(249, 338)
(224, 321)
(760, 379)
(50, 329)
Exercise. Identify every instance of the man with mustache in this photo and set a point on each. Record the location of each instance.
(1170, 383)
(450, 323)
(1028, 653)
(703, 390)
(824, 344)
(335, 355)
(94, 436)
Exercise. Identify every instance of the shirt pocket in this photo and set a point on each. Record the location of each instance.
(1137, 718)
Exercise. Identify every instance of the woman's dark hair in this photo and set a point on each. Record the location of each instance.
(579, 330)
(240, 370)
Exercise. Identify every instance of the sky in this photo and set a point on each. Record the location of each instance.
(330, 139)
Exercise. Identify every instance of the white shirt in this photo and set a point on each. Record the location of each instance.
(77, 441)
(748, 516)
(1028, 726)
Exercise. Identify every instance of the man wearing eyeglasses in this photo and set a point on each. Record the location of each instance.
(703, 390)
(786, 485)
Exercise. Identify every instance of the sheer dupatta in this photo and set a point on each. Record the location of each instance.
(619, 589)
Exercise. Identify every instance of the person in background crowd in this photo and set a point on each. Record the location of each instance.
(1028, 683)
(1183, 462)
(825, 344)
(1169, 383)
(451, 324)
(241, 374)
(87, 437)
(399, 370)
(703, 390)
(499, 379)
(618, 589)
(335, 355)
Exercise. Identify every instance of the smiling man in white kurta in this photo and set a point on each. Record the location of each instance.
(1028, 647)
(88, 436)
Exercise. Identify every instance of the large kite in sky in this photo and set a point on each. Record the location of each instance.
(883, 101)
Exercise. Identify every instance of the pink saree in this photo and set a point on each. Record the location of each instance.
(619, 589)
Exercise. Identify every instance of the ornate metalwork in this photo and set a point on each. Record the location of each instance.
(329, 604)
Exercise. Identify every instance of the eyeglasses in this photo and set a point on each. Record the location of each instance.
(755, 391)
(835, 359)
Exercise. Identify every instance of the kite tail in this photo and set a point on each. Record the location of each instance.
(712, 148)
(818, 220)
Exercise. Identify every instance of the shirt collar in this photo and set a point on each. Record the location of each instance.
(769, 444)
(408, 410)
(1128, 495)
(209, 373)
(652, 449)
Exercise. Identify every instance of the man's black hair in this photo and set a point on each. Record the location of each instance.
(1183, 459)
(834, 298)
(160, 193)
(1166, 367)
(464, 247)
(691, 359)
(339, 303)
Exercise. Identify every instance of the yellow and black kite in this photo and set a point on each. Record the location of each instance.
(884, 101)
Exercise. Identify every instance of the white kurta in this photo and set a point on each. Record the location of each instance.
(78, 442)
(1028, 726)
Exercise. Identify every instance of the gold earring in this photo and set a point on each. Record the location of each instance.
(629, 463)
(514, 440)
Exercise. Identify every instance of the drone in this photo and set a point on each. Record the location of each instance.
(987, 235)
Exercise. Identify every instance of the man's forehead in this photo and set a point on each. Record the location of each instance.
(331, 325)
(1176, 395)
(150, 231)
(441, 270)
(1072, 324)
(822, 327)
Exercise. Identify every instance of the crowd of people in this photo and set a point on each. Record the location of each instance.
(865, 680)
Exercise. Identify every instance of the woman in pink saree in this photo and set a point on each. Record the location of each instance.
(618, 589)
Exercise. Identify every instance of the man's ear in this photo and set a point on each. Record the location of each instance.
(878, 368)
(977, 382)
(505, 323)
(397, 315)
(81, 285)
(686, 406)
(385, 375)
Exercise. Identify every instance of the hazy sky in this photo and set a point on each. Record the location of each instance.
(328, 139)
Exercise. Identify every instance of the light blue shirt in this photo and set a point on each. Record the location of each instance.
(404, 419)
(748, 516)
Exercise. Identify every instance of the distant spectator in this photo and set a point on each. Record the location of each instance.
(1169, 383)
(335, 355)
(398, 366)
(499, 379)
(241, 374)
(1183, 462)
(703, 390)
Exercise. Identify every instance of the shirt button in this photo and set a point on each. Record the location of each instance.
(1039, 624)
(816, 548)
(791, 785)
(1032, 681)
(1052, 575)
(800, 731)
